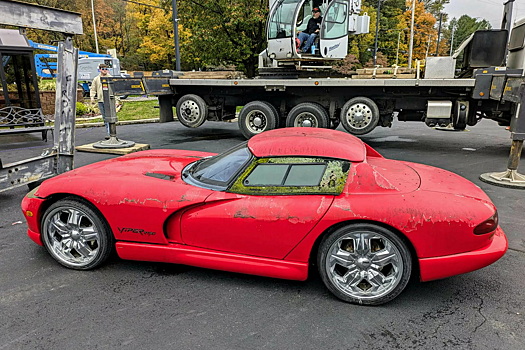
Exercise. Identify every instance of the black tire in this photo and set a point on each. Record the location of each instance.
(367, 278)
(334, 123)
(256, 117)
(192, 111)
(460, 116)
(359, 115)
(308, 114)
(76, 235)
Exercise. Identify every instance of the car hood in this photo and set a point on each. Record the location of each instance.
(130, 170)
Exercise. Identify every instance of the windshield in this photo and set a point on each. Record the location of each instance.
(281, 20)
(219, 171)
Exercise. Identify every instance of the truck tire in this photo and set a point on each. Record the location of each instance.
(460, 115)
(307, 114)
(192, 111)
(359, 115)
(256, 117)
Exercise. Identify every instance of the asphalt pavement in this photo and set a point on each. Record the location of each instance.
(140, 305)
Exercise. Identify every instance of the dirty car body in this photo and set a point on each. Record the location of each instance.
(273, 206)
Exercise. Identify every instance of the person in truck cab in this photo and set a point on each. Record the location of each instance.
(311, 32)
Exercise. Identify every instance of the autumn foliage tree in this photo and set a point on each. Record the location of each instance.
(232, 32)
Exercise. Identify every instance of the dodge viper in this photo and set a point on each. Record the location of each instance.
(276, 205)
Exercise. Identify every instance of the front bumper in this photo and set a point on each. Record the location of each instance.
(30, 209)
(451, 265)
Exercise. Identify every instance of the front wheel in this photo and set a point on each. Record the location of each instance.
(76, 235)
(192, 111)
(256, 117)
(364, 264)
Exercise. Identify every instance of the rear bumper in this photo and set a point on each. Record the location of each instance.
(450, 265)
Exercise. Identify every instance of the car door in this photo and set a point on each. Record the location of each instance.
(334, 30)
(271, 206)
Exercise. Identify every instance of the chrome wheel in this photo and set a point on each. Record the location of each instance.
(365, 264)
(256, 122)
(359, 116)
(306, 120)
(75, 236)
(192, 111)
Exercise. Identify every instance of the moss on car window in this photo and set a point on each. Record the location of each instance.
(332, 181)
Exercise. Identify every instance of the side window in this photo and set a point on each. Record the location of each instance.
(336, 21)
(267, 175)
(292, 176)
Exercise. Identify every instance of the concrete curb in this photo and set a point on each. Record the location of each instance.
(124, 122)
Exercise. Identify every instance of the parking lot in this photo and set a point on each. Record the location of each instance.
(158, 306)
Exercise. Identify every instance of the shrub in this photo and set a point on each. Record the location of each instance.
(82, 109)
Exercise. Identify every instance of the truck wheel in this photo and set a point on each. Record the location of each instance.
(364, 264)
(192, 111)
(460, 115)
(359, 115)
(309, 115)
(256, 117)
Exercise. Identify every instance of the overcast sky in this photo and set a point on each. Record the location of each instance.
(491, 10)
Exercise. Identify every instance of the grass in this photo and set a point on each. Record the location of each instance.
(131, 110)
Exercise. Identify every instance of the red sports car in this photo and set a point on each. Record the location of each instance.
(272, 206)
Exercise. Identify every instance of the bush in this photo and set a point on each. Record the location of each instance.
(46, 84)
(82, 109)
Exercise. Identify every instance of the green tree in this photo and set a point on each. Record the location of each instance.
(435, 7)
(464, 27)
(225, 31)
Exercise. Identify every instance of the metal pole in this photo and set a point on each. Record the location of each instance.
(94, 25)
(452, 40)
(439, 33)
(411, 48)
(506, 22)
(397, 51)
(65, 102)
(511, 178)
(110, 117)
(377, 30)
(176, 34)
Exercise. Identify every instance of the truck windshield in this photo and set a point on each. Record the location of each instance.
(220, 170)
(282, 19)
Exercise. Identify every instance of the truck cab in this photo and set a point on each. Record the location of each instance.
(289, 17)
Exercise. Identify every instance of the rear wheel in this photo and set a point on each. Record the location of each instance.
(76, 235)
(192, 111)
(364, 264)
(309, 115)
(359, 115)
(256, 117)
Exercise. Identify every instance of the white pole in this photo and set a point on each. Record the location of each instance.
(397, 51)
(94, 25)
(411, 48)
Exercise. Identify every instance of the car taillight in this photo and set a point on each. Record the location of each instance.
(488, 225)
